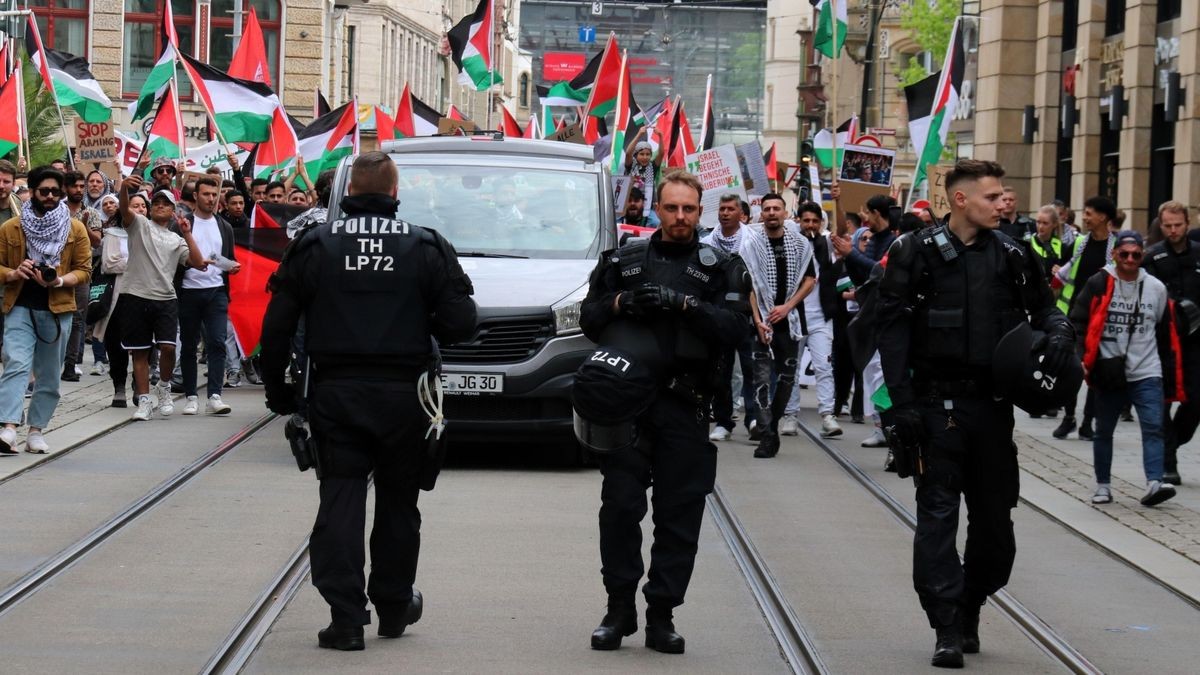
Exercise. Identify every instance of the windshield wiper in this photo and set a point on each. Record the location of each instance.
(481, 254)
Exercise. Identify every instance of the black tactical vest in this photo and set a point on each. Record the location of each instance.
(966, 305)
(368, 301)
(1179, 273)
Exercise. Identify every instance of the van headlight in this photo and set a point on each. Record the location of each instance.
(567, 310)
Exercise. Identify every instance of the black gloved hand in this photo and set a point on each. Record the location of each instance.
(626, 304)
(907, 424)
(281, 398)
(1060, 349)
(656, 297)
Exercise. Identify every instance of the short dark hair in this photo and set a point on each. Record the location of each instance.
(8, 168)
(810, 207)
(1102, 204)
(228, 184)
(233, 194)
(72, 177)
(880, 204)
(746, 208)
(772, 195)
(209, 181)
(972, 169)
(41, 173)
(276, 184)
(295, 190)
(636, 193)
(188, 192)
(910, 222)
(324, 186)
(854, 218)
(259, 181)
(374, 173)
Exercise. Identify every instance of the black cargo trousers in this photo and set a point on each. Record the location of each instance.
(969, 452)
(675, 457)
(363, 425)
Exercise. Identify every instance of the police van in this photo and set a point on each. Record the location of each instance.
(529, 220)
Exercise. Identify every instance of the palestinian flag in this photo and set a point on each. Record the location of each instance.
(250, 60)
(509, 124)
(771, 160)
(5, 71)
(414, 117)
(163, 70)
(603, 96)
(685, 131)
(830, 33)
(69, 77)
(10, 116)
(258, 250)
(531, 128)
(471, 48)
(165, 138)
(707, 129)
(329, 138)
(675, 153)
(623, 119)
(320, 105)
(385, 126)
(241, 109)
(932, 103)
(662, 125)
(454, 114)
(575, 92)
(278, 153)
(823, 143)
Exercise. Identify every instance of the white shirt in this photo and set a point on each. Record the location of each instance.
(208, 237)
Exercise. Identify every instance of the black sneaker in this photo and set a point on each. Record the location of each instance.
(1085, 431)
(1172, 477)
(68, 373)
(1157, 492)
(1064, 428)
(768, 447)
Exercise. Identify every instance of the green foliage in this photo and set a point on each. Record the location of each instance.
(42, 124)
(745, 58)
(914, 72)
(930, 23)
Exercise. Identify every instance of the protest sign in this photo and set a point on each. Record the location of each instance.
(754, 170)
(621, 186)
(866, 164)
(939, 201)
(720, 174)
(198, 159)
(449, 126)
(94, 143)
(570, 134)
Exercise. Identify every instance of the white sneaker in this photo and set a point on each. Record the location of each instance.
(1103, 495)
(78, 370)
(98, 368)
(1157, 492)
(788, 426)
(830, 427)
(755, 434)
(166, 404)
(216, 406)
(192, 407)
(144, 410)
(720, 433)
(875, 440)
(35, 444)
(8, 441)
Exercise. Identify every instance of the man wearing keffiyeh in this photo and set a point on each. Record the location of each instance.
(44, 254)
(780, 264)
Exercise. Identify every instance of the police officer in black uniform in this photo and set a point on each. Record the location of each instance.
(947, 296)
(1175, 261)
(680, 289)
(373, 291)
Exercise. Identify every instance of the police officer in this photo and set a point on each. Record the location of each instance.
(373, 290)
(679, 288)
(947, 296)
(1175, 261)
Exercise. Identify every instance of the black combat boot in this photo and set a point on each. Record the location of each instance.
(970, 628)
(1064, 428)
(619, 621)
(768, 446)
(1085, 429)
(68, 373)
(344, 638)
(660, 632)
(948, 653)
(393, 621)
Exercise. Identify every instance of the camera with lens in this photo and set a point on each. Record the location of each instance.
(46, 272)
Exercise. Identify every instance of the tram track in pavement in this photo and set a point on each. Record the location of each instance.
(1027, 621)
(67, 450)
(39, 577)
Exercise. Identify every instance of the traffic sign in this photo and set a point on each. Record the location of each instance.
(597, 8)
(587, 34)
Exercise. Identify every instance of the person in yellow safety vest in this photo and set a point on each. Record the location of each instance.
(1090, 256)
(1048, 246)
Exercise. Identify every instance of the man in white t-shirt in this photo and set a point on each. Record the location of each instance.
(204, 299)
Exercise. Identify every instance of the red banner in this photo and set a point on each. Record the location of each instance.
(562, 66)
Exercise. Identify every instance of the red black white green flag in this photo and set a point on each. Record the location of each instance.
(932, 103)
(471, 47)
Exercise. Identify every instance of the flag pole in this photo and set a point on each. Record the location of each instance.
(704, 113)
(19, 73)
(837, 162)
(179, 124)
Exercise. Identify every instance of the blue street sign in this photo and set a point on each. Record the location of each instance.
(587, 34)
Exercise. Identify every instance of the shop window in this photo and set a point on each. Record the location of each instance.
(1162, 161)
(1070, 26)
(1169, 9)
(1114, 17)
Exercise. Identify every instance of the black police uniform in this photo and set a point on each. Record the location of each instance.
(1180, 272)
(673, 452)
(372, 290)
(943, 306)
(1022, 227)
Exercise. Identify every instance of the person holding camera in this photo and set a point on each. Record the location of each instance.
(370, 327)
(44, 254)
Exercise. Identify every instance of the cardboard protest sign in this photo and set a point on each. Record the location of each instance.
(855, 194)
(569, 134)
(867, 164)
(720, 174)
(94, 143)
(449, 126)
(754, 170)
(621, 185)
(939, 201)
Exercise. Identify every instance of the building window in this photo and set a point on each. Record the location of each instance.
(523, 93)
(63, 24)
(1162, 161)
(1070, 26)
(1110, 158)
(144, 41)
(1169, 9)
(1114, 17)
(220, 49)
(1063, 160)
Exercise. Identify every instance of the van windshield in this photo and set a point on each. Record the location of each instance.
(504, 211)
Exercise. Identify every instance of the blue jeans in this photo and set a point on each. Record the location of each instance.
(1147, 397)
(24, 350)
(203, 311)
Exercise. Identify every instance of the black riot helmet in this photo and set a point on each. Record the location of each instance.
(614, 385)
(1018, 375)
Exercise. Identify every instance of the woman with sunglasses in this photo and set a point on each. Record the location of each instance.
(1130, 355)
(44, 254)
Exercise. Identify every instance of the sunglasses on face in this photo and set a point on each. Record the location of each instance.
(49, 192)
(1129, 255)
(164, 169)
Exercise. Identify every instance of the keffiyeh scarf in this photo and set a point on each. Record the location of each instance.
(760, 262)
(729, 245)
(45, 235)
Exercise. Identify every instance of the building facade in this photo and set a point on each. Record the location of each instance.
(1113, 85)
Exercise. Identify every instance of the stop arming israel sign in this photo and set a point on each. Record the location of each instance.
(94, 143)
(720, 174)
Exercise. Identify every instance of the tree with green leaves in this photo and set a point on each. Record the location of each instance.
(930, 23)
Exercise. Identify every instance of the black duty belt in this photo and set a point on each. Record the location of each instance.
(952, 388)
(342, 371)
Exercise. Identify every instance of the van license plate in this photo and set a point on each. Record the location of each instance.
(473, 383)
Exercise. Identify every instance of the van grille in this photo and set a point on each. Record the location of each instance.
(501, 341)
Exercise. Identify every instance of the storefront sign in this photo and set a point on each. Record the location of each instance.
(562, 66)
(1112, 63)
